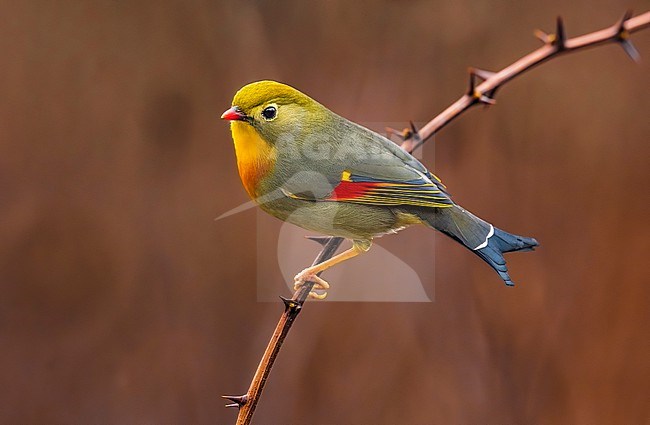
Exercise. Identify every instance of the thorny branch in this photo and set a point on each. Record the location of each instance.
(484, 93)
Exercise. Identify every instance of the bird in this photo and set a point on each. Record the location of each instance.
(304, 164)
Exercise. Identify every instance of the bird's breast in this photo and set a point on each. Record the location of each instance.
(255, 156)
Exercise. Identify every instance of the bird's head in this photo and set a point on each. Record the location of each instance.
(273, 109)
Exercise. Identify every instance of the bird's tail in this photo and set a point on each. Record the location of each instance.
(479, 236)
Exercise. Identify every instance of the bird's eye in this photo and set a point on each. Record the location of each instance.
(269, 113)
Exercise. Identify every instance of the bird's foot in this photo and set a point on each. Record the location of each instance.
(319, 284)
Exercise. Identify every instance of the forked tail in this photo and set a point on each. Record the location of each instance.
(479, 236)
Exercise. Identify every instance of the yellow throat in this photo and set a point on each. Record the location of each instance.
(255, 156)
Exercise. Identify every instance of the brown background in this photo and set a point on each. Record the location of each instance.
(124, 302)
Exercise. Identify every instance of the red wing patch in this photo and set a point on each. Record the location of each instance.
(372, 191)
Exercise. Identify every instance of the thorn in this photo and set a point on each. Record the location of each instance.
(319, 239)
(238, 400)
(560, 34)
(481, 73)
(623, 37)
(391, 132)
(545, 38)
(415, 133)
(621, 22)
(486, 100)
(492, 93)
(290, 304)
(631, 51)
(287, 302)
(482, 97)
(472, 82)
(402, 134)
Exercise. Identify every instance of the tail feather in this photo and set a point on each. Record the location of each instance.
(481, 237)
(498, 244)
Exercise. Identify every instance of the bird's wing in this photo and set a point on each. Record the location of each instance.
(362, 189)
(386, 176)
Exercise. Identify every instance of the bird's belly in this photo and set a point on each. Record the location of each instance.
(353, 221)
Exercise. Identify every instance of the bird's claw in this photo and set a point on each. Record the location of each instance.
(319, 284)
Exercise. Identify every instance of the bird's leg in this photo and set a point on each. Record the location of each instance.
(310, 274)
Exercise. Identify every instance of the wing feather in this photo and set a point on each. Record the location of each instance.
(366, 168)
(359, 189)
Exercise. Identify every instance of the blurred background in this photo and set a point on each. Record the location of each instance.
(124, 301)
